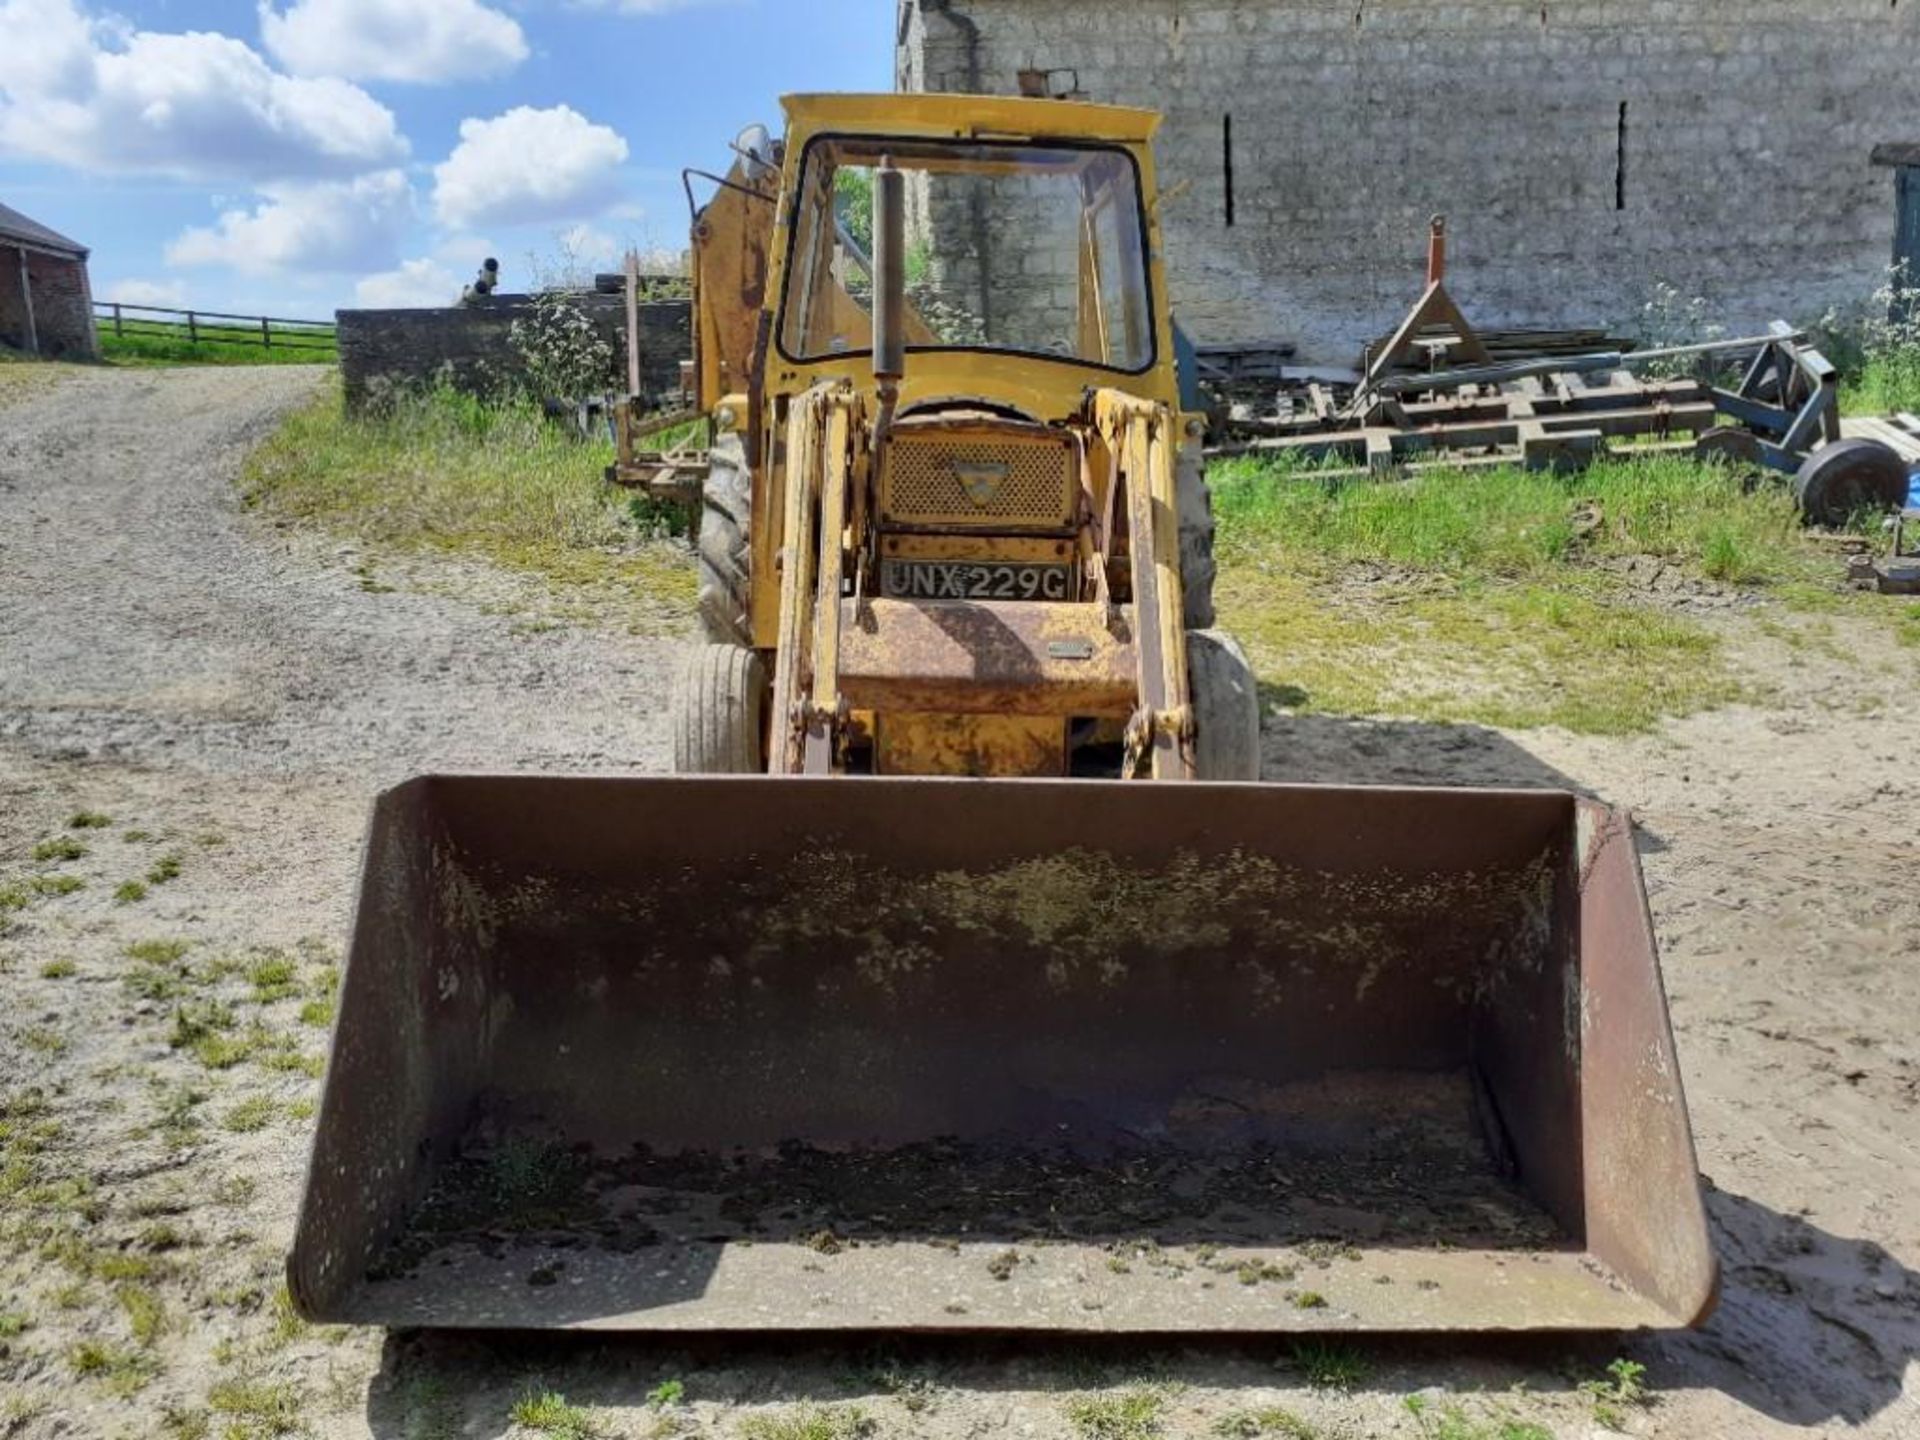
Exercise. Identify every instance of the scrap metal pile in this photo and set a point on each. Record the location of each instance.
(1437, 393)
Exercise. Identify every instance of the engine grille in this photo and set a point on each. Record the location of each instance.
(974, 477)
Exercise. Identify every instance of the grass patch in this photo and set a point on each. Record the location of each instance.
(1504, 597)
(443, 471)
(810, 1422)
(1515, 524)
(161, 344)
(60, 847)
(124, 1373)
(547, 1413)
(318, 1014)
(88, 820)
(1883, 382)
(250, 1115)
(129, 892)
(257, 1409)
(273, 978)
(1452, 1422)
(164, 870)
(58, 969)
(54, 886)
(1518, 656)
(156, 952)
(146, 1316)
(1135, 1414)
(1249, 1424)
(45, 1041)
(1330, 1365)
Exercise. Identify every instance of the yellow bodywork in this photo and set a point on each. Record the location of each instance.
(806, 427)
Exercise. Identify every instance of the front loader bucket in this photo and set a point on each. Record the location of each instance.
(753, 1054)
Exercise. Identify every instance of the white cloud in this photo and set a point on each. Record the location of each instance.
(416, 284)
(170, 294)
(326, 226)
(101, 96)
(527, 166)
(589, 245)
(418, 41)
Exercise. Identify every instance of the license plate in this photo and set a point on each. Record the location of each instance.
(973, 580)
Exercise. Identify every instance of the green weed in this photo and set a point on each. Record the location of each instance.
(61, 847)
(58, 969)
(810, 1422)
(164, 870)
(57, 885)
(13, 1324)
(88, 820)
(14, 897)
(254, 1113)
(156, 952)
(667, 1394)
(1249, 1424)
(45, 1040)
(1452, 1422)
(444, 471)
(548, 1413)
(1330, 1365)
(129, 892)
(318, 1013)
(273, 978)
(124, 1373)
(1624, 1388)
(145, 1313)
(257, 1409)
(1135, 1414)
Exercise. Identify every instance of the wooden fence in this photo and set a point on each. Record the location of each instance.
(214, 327)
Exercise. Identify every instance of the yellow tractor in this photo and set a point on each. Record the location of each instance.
(953, 520)
(1014, 1031)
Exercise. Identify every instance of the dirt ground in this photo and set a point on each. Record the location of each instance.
(226, 696)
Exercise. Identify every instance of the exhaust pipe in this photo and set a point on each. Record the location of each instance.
(889, 290)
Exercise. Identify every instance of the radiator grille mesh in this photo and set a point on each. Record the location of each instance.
(996, 479)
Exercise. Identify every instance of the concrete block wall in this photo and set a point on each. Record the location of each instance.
(1583, 150)
(471, 345)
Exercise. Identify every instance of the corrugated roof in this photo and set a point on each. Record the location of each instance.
(15, 226)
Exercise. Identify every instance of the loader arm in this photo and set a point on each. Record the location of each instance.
(1139, 435)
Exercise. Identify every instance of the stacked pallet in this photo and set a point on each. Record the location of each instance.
(1900, 433)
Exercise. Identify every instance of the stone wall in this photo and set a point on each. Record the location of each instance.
(62, 305)
(471, 345)
(1583, 150)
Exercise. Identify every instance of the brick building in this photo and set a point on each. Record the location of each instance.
(1583, 150)
(46, 303)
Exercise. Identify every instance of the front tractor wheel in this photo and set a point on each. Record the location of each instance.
(723, 544)
(1226, 708)
(720, 700)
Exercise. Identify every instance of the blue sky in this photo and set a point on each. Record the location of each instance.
(294, 156)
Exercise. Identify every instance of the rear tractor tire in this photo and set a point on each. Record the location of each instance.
(724, 544)
(1226, 708)
(720, 700)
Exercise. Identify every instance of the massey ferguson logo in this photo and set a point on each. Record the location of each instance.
(981, 479)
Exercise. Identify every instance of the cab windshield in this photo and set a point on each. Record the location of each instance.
(1038, 250)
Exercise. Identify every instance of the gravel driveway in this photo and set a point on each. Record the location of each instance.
(147, 620)
(218, 699)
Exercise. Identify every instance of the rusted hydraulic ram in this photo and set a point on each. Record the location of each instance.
(605, 1060)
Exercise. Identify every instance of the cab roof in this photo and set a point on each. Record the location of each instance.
(970, 116)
